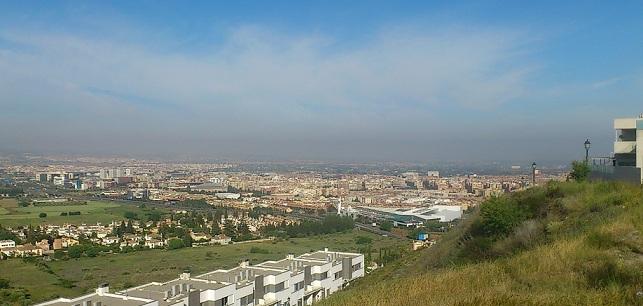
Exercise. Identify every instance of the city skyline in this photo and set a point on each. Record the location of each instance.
(409, 81)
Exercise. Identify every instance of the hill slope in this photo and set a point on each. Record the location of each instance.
(562, 244)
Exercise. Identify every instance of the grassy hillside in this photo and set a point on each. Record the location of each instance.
(562, 244)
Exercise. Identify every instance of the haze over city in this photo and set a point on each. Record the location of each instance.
(365, 80)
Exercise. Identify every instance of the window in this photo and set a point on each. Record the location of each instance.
(357, 266)
(280, 287)
(274, 288)
(246, 300)
(338, 275)
(320, 276)
(298, 286)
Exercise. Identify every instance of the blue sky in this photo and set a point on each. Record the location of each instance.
(352, 80)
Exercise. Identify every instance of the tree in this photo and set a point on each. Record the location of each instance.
(434, 225)
(75, 251)
(187, 240)
(243, 232)
(386, 226)
(92, 251)
(216, 229)
(175, 243)
(130, 215)
(42, 215)
(129, 228)
(580, 171)
(229, 229)
(6, 234)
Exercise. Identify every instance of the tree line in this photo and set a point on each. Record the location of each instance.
(330, 224)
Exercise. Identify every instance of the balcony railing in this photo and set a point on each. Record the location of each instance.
(603, 168)
(624, 147)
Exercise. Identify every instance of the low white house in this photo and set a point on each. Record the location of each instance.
(154, 243)
(7, 244)
(220, 239)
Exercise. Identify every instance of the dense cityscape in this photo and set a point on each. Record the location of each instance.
(240, 205)
(67, 209)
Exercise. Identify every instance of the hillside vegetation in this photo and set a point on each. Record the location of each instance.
(560, 244)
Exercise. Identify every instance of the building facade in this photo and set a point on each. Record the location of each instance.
(293, 281)
(627, 159)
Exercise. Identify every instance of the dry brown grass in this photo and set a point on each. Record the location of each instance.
(593, 257)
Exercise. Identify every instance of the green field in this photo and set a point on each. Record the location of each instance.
(94, 211)
(125, 270)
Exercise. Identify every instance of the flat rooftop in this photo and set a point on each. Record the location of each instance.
(169, 293)
(323, 255)
(107, 299)
(295, 266)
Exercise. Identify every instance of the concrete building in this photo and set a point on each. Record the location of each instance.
(627, 161)
(292, 281)
(101, 297)
(412, 216)
(7, 244)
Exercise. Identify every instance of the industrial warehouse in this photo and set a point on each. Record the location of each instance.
(412, 216)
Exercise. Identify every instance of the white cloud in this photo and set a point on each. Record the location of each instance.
(256, 67)
(256, 81)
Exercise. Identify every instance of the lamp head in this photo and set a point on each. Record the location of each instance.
(587, 144)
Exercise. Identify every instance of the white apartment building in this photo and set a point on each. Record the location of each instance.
(293, 281)
(627, 161)
(7, 244)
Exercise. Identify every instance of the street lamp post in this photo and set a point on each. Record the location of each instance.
(533, 173)
(587, 145)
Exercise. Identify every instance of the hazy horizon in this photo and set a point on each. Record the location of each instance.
(370, 81)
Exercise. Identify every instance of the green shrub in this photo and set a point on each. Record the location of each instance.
(4, 284)
(580, 171)
(175, 243)
(386, 226)
(499, 216)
